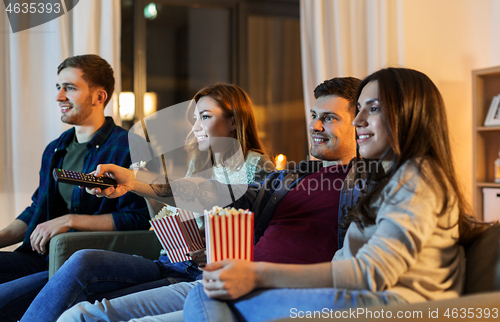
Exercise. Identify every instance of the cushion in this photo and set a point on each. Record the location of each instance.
(483, 262)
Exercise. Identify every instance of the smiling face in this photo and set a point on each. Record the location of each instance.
(211, 121)
(331, 131)
(75, 97)
(372, 131)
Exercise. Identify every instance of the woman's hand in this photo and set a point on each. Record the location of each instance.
(230, 279)
(124, 177)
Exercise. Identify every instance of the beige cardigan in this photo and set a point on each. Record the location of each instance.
(409, 251)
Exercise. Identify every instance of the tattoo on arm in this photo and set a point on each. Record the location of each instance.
(163, 190)
(204, 191)
(208, 192)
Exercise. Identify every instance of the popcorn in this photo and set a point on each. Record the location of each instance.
(166, 211)
(216, 210)
(138, 165)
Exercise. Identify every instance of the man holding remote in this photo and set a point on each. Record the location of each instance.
(84, 87)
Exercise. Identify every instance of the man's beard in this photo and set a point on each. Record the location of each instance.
(84, 111)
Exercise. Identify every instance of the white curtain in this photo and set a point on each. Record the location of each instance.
(348, 38)
(30, 116)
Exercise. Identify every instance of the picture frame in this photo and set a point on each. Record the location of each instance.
(493, 116)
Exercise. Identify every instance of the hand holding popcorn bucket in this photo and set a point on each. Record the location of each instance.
(229, 234)
(178, 233)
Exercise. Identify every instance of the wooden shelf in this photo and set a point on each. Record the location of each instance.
(486, 139)
(488, 185)
(487, 128)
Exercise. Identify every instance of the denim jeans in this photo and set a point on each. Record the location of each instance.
(159, 304)
(22, 276)
(96, 274)
(265, 305)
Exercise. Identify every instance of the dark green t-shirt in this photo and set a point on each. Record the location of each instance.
(73, 160)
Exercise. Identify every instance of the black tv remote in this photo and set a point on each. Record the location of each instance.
(82, 179)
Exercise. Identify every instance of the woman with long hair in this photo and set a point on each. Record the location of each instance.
(223, 144)
(403, 239)
(223, 113)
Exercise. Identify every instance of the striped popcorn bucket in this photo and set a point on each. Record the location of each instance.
(178, 234)
(229, 236)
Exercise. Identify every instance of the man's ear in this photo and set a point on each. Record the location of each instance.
(101, 96)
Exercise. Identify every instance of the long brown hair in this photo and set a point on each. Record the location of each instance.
(234, 102)
(414, 112)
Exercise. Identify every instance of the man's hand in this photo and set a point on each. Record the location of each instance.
(199, 257)
(124, 177)
(230, 279)
(45, 231)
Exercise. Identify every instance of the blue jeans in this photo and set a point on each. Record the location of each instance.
(95, 274)
(159, 304)
(22, 276)
(265, 305)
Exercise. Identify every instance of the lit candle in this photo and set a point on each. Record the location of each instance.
(280, 161)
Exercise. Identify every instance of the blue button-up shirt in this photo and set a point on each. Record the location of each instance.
(109, 145)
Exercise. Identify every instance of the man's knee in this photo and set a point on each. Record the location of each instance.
(83, 260)
(196, 295)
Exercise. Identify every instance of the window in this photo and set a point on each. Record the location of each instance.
(186, 45)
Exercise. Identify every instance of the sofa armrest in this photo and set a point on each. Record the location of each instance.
(483, 262)
(142, 242)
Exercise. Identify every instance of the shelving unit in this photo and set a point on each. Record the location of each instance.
(486, 139)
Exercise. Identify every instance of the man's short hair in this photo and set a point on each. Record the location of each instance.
(96, 72)
(344, 87)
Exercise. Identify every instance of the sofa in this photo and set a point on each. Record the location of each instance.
(141, 242)
(481, 290)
